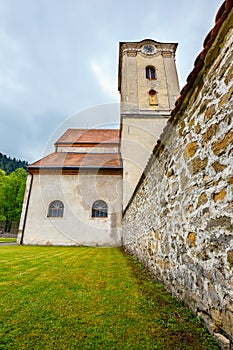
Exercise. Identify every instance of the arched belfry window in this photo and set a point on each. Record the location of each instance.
(56, 209)
(99, 209)
(150, 72)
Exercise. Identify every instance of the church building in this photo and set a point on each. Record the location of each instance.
(76, 195)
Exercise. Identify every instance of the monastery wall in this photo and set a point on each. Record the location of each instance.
(179, 222)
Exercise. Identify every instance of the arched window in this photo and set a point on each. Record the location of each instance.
(153, 97)
(56, 209)
(150, 72)
(99, 209)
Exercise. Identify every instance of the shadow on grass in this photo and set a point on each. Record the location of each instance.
(174, 321)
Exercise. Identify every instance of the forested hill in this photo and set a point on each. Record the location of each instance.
(11, 164)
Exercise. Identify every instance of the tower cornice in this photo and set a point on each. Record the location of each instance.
(132, 49)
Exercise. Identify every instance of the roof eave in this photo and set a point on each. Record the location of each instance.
(72, 167)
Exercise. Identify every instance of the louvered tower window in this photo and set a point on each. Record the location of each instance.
(150, 72)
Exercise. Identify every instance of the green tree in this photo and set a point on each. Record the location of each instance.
(12, 189)
(9, 165)
(3, 179)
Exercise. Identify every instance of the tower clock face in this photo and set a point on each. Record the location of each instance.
(148, 49)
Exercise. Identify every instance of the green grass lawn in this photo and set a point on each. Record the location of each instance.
(88, 298)
(6, 240)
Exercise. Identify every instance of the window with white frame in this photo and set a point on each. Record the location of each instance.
(99, 209)
(56, 209)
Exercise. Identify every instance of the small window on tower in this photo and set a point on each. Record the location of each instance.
(153, 98)
(150, 73)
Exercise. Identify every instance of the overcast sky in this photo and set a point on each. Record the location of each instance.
(59, 61)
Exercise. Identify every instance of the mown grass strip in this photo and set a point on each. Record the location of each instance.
(89, 298)
(6, 240)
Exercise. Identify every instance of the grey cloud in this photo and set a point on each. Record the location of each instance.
(47, 48)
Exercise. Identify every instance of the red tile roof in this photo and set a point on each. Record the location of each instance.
(79, 160)
(93, 136)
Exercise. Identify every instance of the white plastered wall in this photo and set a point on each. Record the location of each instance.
(139, 136)
(77, 227)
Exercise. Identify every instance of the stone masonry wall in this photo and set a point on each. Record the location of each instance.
(179, 222)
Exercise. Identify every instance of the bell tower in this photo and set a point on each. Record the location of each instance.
(148, 86)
